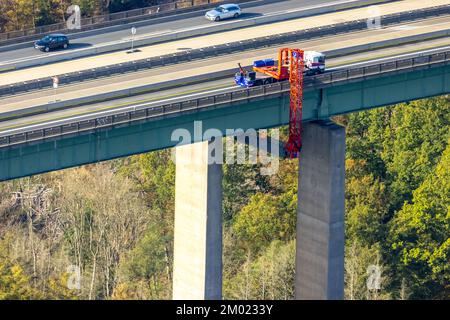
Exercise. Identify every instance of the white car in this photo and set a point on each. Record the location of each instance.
(224, 11)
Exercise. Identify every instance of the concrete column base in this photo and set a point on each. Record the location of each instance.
(197, 273)
(320, 214)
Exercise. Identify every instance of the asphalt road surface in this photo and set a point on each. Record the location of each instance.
(250, 10)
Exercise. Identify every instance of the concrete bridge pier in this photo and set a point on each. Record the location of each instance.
(197, 273)
(320, 213)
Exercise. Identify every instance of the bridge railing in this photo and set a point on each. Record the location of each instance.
(154, 110)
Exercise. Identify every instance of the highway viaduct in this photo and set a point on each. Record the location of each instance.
(69, 141)
(198, 246)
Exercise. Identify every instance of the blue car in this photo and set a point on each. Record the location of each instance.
(52, 41)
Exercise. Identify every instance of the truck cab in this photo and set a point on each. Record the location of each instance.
(314, 62)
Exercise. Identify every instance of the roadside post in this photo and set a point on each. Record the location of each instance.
(133, 33)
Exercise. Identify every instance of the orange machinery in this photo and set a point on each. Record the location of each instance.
(290, 66)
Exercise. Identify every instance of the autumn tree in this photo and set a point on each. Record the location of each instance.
(103, 218)
(269, 276)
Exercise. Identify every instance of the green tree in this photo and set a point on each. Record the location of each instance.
(414, 141)
(364, 141)
(143, 269)
(420, 235)
(266, 218)
(46, 12)
(366, 210)
(240, 181)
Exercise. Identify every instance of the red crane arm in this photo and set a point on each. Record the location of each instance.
(290, 66)
(297, 65)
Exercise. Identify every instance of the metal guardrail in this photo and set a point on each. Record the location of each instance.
(89, 123)
(227, 48)
(136, 15)
(107, 20)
